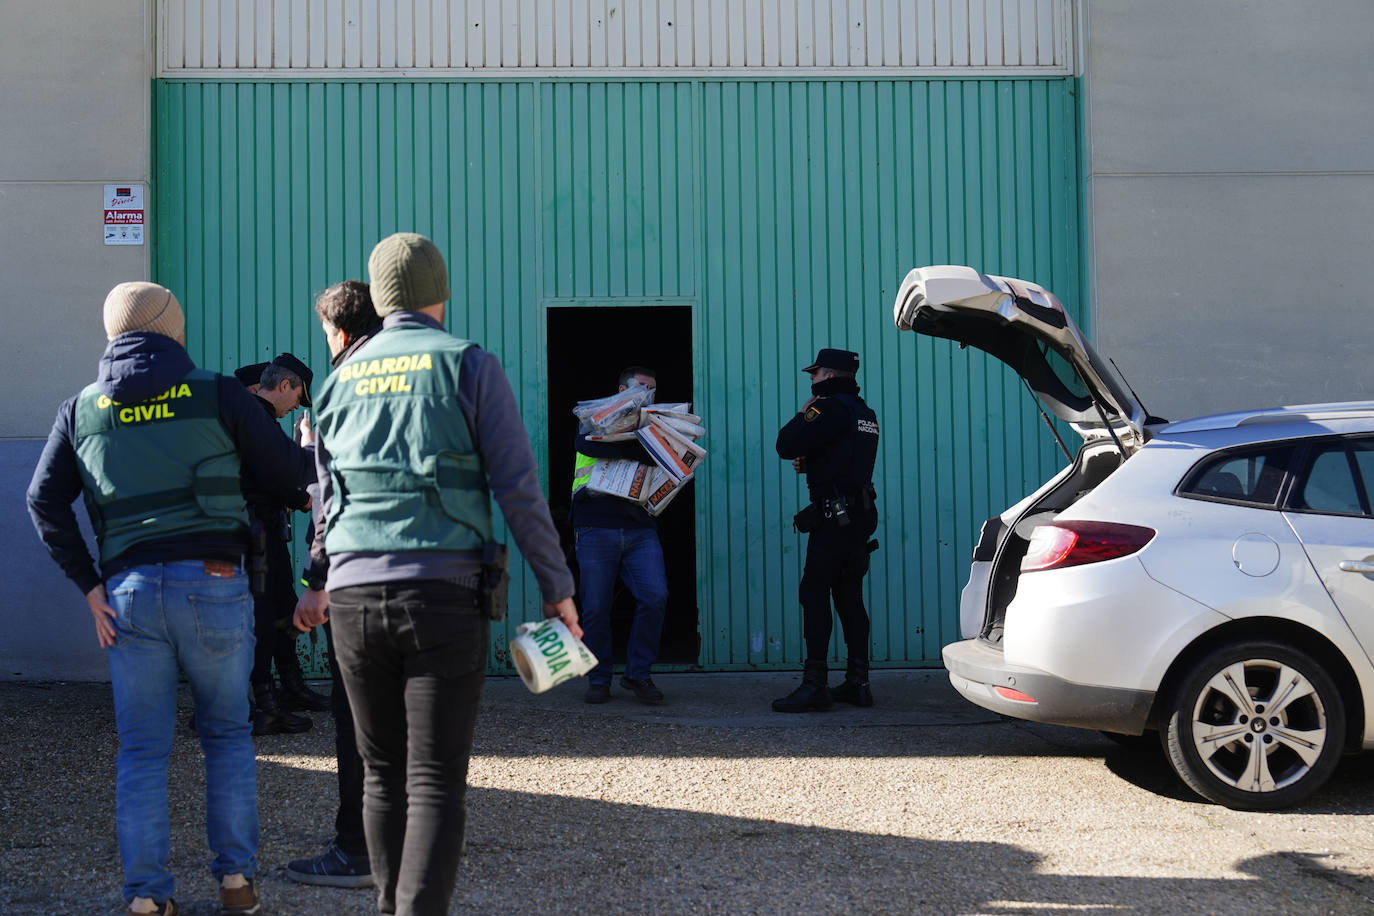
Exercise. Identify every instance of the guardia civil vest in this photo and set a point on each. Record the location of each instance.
(401, 460)
(160, 468)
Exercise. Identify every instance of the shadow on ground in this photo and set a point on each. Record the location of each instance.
(552, 852)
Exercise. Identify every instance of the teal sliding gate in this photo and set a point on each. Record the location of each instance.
(783, 212)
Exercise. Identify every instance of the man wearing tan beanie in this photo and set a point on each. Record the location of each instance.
(156, 446)
(417, 431)
(144, 306)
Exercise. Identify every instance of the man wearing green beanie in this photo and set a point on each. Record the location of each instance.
(417, 431)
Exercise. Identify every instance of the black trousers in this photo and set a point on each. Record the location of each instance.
(413, 659)
(276, 602)
(348, 823)
(836, 562)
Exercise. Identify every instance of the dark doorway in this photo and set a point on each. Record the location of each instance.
(587, 348)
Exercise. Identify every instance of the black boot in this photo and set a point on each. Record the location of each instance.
(269, 718)
(296, 693)
(855, 689)
(811, 695)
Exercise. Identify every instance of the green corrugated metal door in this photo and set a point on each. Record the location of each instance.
(818, 197)
(267, 193)
(783, 212)
(617, 192)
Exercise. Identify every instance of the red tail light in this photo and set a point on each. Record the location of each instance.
(1012, 693)
(1073, 543)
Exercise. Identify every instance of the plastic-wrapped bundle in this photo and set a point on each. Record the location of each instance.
(616, 413)
(668, 433)
(683, 423)
(671, 451)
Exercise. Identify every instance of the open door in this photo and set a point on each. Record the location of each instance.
(587, 348)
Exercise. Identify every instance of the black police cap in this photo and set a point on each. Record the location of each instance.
(249, 375)
(287, 361)
(842, 360)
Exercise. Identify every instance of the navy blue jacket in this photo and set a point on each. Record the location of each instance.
(838, 436)
(134, 367)
(262, 499)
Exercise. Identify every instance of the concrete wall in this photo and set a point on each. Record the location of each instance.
(1231, 170)
(75, 107)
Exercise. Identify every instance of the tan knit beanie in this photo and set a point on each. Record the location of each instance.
(142, 306)
(407, 273)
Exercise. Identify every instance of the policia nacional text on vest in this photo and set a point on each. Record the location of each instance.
(839, 471)
(402, 463)
(177, 472)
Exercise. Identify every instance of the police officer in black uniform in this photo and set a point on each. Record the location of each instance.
(834, 442)
(280, 387)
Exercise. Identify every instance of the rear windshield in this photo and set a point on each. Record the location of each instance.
(1252, 478)
(1064, 371)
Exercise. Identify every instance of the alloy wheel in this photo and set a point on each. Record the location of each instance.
(1256, 725)
(1259, 725)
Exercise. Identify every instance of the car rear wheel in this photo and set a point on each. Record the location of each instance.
(1255, 725)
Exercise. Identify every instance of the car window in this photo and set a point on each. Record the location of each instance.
(1064, 371)
(1330, 484)
(1252, 477)
(1363, 452)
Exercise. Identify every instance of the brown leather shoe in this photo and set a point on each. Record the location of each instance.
(167, 909)
(240, 901)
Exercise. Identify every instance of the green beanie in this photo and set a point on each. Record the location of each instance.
(407, 273)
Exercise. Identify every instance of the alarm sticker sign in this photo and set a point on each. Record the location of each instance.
(123, 214)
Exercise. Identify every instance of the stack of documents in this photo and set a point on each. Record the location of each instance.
(668, 432)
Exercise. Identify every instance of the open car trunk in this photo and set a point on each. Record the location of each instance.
(1005, 537)
(1026, 327)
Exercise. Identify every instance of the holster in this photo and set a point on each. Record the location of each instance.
(257, 558)
(808, 519)
(495, 581)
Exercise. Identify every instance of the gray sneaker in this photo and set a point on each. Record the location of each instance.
(332, 868)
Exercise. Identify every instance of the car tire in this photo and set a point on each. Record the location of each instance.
(1255, 725)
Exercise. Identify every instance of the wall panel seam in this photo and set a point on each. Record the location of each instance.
(637, 74)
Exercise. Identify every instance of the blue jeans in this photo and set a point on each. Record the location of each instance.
(174, 616)
(635, 555)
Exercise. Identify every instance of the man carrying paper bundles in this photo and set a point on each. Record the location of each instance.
(632, 458)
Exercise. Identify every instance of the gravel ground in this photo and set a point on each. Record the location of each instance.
(710, 803)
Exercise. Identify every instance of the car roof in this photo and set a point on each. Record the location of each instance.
(1269, 424)
(1301, 413)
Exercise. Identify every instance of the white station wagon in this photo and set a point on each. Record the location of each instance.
(1211, 580)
